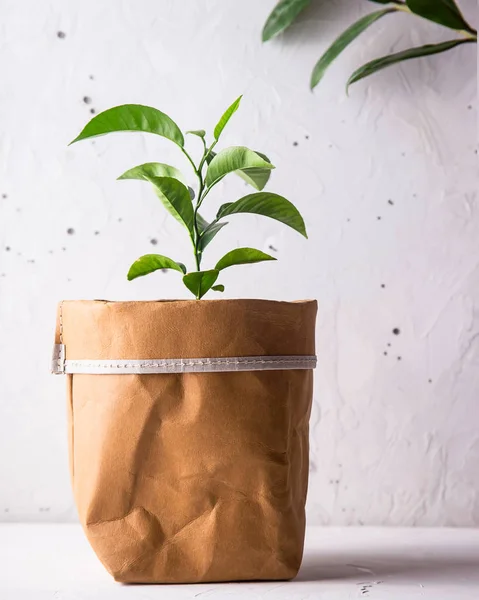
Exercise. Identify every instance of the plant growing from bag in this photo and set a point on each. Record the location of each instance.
(442, 12)
(189, 443)
(171, 187)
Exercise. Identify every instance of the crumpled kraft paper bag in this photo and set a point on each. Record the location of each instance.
(191, 477)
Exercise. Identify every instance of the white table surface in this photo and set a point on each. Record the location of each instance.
(55, 562)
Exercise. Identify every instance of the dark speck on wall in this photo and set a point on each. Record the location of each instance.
(87, 99)
(93, 111)
(97, 233)
(306, 137)
(4, 196)
(429, 380)
(378, 218)
(164, 270)
(91, 77)
(153, 241)
(469, 106)
(383, 285)
(295, 143)
(63, 248)
(390, 202)
(271, 247)
(120, 220)
(70, 231)
(7, 248)
(389, 345)
(399, 358)
(348, 220)
(385, 353)
(31, 261)
(396, 331)
(61, 35)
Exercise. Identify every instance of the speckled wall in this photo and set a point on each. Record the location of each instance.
(387, 184)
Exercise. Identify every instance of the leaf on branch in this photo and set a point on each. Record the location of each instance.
(269, 205)
(176, 198)
(386, 61)
(208, 230)
(200, 282)
(226, 117)
(233, 159)
(343, 41)
(148, 170)
(256, 176)
(152, 262)
(443, 12)
(198, 132)
(284, 13)
(132, 117)
(242, 256)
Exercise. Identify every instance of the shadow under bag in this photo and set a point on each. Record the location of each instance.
(189, 434)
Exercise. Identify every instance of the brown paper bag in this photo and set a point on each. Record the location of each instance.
(190, 476)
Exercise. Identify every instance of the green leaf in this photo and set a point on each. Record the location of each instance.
(444, 12)
(148, 170)
(268, 205)
(199, 282)
(198, 132)
(226, 117)
(232, 159)
(218, 288)
(284, 13)
(256, 176)
(152, 262)
(343, 41)
(386, 61)
(208, 231)
(242, 256)
(132, 117)
(176, 198)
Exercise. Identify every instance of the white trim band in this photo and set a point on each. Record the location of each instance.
(178, 365)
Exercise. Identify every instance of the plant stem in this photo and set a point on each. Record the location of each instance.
(469, 35)
(189, 159)
(205, 155)
(196, 237)
(202, 193)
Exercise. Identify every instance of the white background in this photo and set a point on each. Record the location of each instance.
(395, 437)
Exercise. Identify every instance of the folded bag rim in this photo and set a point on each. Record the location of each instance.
(93, 330)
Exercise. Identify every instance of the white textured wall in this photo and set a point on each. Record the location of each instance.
(386, 181)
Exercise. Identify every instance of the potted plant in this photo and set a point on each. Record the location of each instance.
(189, 418)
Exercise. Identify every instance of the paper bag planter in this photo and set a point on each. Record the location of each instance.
(189, 434)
